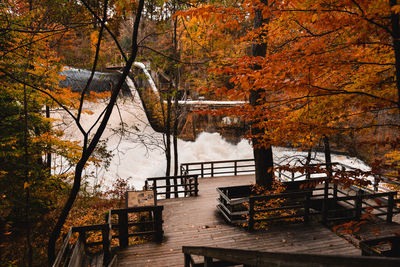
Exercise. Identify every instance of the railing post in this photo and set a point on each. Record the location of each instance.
(358, 204)
(208, 261)
(175, 186)
(335, 190)
(106, 243)
(235, 168)
(196, 186)
(158, 221)
(82, 237)
(187, 260)
(123, 229)
(292, 176)
(251, 214)
(376, 183)
(390, 204)
(212, 169)
(202, 170)
(155, 191)
(185, 186)
(326, 188)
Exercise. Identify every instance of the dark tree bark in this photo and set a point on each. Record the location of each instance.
(26, 165)
(176, 90)
(262, 155)
(168, 140)
(395, 19)
(328, 160)
(88, 148)
(48, 156)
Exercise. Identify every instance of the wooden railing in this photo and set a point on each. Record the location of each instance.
(237, 167)
(75, 256)
(238, 206)
(154, 220)
(247, 166)
(233, 257)
(295, 204)
(175, 186)
(217, 168)
(65, 250)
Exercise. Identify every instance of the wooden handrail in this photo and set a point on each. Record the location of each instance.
(232, 257)
(209, 168)
(123, 224)
(188, 186)
(232, 201)
(105, 240)
(123, 234)
(234, 170)
(171, 177)
(217, 161)
(63, 250)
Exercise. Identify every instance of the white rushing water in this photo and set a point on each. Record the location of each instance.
(138, 154)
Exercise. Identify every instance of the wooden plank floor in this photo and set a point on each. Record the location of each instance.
(195, 222)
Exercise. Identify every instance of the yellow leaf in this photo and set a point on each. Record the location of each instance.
(26, 185)
(396, 9)
(314, 18)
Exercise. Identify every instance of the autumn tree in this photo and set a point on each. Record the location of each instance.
(263, 159)
(330, 69)
(99, 15)
(90, 142)
(29, 185)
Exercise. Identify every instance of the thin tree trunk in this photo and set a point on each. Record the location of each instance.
(307, 165)
(395, 19)
(176, 107)
(328, 161)
(168, 141)
(88, 149)
(175, 138)
(48, 156)
(262, 155)
(26, 164)
(27, 181)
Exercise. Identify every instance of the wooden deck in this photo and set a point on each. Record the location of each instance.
(195, 221)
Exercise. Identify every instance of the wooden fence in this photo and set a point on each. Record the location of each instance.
(247, 166)
(233, 257)
(300, 201)
(176, 186)
(216, 168)
(77, 254)
(152, 216)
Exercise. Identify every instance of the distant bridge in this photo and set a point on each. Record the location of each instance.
(192, 123)
(195, 104)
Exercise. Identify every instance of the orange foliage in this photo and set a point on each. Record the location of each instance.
(329, 67)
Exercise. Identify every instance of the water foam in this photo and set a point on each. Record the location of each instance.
(138, 151)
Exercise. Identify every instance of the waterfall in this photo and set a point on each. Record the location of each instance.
(138, 150)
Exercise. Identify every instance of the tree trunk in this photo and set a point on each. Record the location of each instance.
(262, 155)
(88, 149)
(395, 19)
(168, 140)
(176, 90)
(328, 160)
(48, 156)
